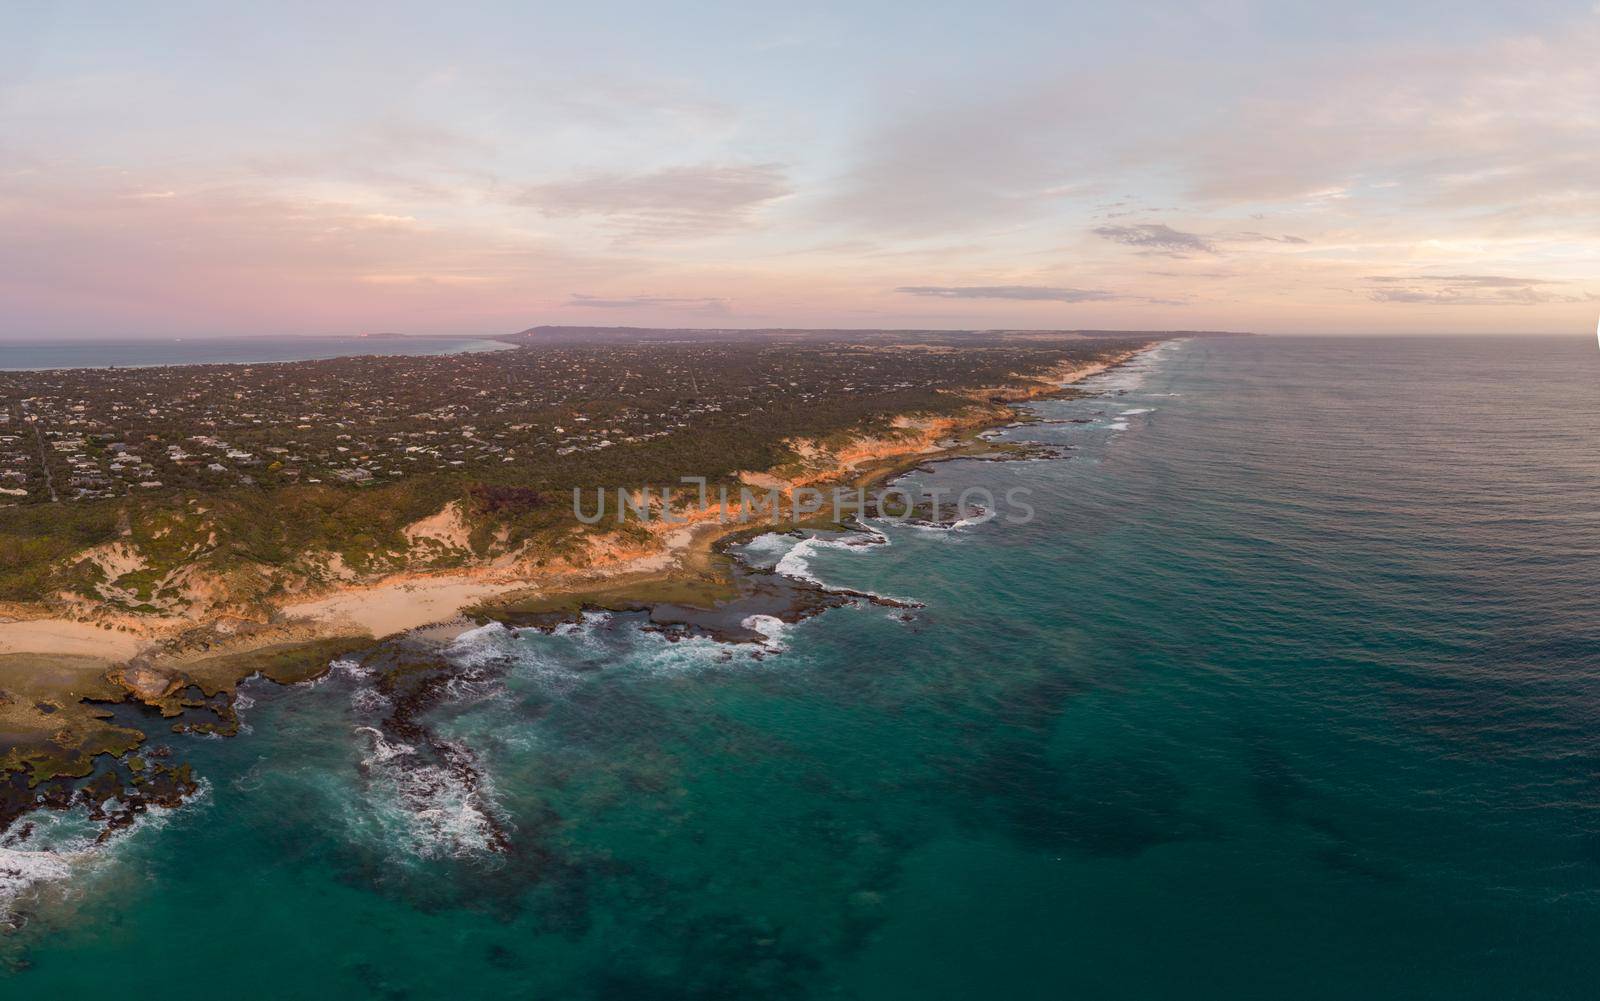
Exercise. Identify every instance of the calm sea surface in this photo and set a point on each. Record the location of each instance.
(38, 355)
(1291, 690)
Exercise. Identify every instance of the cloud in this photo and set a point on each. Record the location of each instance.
(1466, 290)
(959, 156)
(708, 303)
(1157, 238)
(1023, 293)
(81, 256)
(672, 202)
(1506, 122)
(382, 195)
(1476, 281)
(1033, 293)
(1196, 275)
(1269, 238)
(1456, 297)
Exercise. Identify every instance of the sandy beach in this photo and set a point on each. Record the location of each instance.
(396, 608)
(64, 637)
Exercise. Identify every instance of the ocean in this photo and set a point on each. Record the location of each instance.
(38, 355)
(1289, 689)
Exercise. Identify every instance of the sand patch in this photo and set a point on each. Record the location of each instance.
(74, 639)
(448, 529)
(394, 608)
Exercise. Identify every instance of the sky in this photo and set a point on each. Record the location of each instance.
(190, 169)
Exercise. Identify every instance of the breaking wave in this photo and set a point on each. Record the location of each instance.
(773, 630)
(63, 850)
(796, 563)
(434, 810)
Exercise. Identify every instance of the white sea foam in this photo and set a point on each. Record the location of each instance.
(428, 807)
(983, 515)
(980, 518)
(585, 633)
(241, 703)
(796, 563)
(468, 689)
(587, 623)
(436, 815)
(63, 848)
(772, 542)
(348, 668)
(418, 807)
(471, 639)
(341, 668)
(370, 701)
(479, 646)
(1130, 375)
(686, 654)
(384, 750)
(774, 631)
(24, 871)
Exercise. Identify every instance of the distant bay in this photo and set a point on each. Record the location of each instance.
(39, 354)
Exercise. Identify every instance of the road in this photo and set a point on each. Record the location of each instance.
(44, 461)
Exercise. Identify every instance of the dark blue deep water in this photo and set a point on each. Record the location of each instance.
(1291, 689)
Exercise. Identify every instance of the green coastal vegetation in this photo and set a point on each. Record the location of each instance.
(242, 472)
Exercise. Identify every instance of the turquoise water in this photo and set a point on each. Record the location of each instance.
(1290, 690)
(22, 355)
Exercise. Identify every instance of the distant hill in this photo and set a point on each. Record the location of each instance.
(590, 335)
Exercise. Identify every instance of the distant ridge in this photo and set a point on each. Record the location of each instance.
(566, 334)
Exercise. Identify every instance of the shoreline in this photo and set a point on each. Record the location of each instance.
(402, 602)
(683, 580)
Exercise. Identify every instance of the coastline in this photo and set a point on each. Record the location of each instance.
(396, 604)
(679, 575)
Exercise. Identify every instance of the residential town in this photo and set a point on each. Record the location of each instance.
(92, 434)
